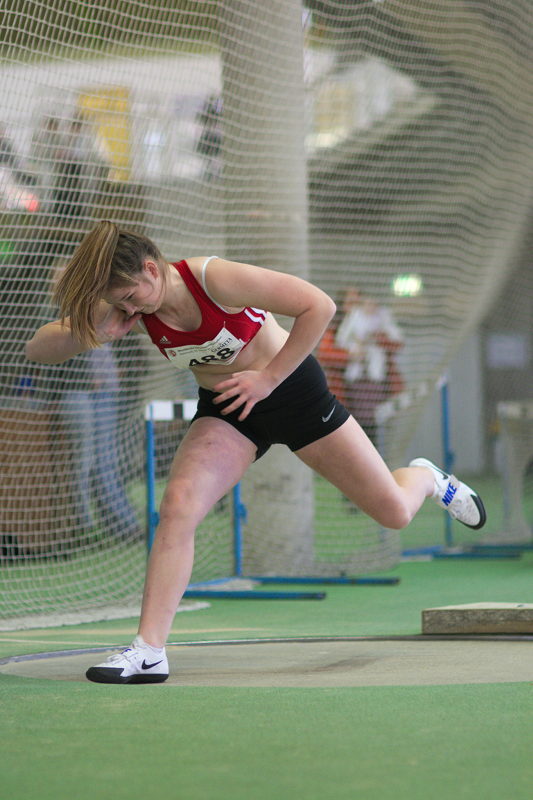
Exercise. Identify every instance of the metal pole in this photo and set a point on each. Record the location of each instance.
(152, 516)
(239, 516)
(447, 452)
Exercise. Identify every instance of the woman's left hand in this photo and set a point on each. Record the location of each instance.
(247, 387)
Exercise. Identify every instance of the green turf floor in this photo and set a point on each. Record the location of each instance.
(81, 740)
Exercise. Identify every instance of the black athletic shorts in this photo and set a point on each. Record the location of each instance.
(300, 411)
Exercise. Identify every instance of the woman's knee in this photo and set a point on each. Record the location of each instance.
(181, 503)
(394, 513)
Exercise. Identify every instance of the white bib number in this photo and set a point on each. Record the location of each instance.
(224, 348)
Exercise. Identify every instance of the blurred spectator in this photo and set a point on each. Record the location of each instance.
(47, 148)
(8, 158)
(14, 175)
(372, 338)
(81, 170)
(89, 416)
(210, 142)
(71, 163)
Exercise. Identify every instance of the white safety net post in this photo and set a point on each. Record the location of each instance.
(265, 195)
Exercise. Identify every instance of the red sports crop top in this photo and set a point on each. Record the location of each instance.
(220, 337)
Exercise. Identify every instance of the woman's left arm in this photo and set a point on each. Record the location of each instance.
(236, 285)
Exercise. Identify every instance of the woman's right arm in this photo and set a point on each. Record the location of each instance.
(54, 342)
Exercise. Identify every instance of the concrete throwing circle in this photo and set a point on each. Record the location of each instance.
(315, 662)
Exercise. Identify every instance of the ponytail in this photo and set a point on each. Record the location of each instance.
(107, 257)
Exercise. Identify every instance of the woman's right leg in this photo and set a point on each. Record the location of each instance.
(211, 459)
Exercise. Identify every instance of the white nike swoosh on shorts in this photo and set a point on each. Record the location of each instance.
(326, 419)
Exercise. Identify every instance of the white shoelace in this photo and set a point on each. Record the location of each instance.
(129, 654)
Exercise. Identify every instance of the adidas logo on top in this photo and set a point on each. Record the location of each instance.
(164, 340)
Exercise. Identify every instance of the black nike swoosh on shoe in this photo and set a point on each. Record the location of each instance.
(144, 665)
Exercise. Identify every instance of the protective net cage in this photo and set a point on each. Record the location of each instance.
(380, 149)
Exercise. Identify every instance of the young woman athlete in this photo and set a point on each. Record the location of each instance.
(258, 385)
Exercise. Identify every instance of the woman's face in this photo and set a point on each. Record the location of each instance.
(143, 296)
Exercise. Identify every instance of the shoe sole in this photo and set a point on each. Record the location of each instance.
(482, 513)
(103, 675)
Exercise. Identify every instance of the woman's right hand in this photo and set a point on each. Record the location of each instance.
(110, 323)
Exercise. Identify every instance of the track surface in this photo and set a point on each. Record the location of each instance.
(316, 662)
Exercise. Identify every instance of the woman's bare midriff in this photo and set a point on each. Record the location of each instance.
(256, 355)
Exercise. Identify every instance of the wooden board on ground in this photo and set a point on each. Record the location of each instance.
(479, 618)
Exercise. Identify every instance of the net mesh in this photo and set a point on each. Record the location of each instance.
(380, 149)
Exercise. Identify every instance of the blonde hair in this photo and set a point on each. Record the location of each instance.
(106, 258)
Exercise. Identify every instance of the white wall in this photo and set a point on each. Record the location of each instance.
(465, 380)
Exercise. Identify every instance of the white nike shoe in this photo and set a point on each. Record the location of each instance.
(459, 500)
(139, 663)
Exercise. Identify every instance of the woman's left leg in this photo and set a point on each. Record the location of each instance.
(348, 459)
